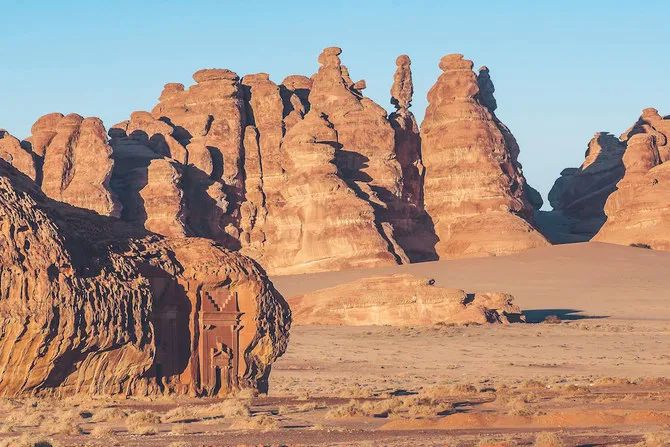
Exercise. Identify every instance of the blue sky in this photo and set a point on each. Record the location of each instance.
(562, 69)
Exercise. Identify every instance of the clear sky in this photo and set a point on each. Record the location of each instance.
(562, 69)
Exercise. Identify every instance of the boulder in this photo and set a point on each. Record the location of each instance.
(401, 300)
(92, 305)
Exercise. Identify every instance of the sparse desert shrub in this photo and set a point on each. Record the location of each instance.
(548, 439)
(142, 423)
(494, 442)
(641, 245)
(109, 415)
(143, 430)
(180, 444)
(518, 407)
(657, 439)
(261, 422)
(101, 431)
(301, 408)
(27, 440)
(575, 390)
(448, 391)
(228, 408)
(143, 418)
(411, 407)
(66, 424)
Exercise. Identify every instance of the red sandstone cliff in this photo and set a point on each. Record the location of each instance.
(303, 176)
(93, 305)
(474, 188)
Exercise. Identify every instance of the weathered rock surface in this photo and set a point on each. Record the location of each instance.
(619, 194)
(580, 193)
(69, 158)
(208, 120)
(413, 227)
(401, 300)
(638, 212)
(93, 305)
(366, 158)
(16, 155)
(148, 174)
(474, 188)
(303, 176)
(321, 223)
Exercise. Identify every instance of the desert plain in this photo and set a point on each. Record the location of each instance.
(589, 367)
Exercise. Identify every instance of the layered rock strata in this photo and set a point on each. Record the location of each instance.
(303, 176)
(474, 188)
(619, 194)
(92, 305)
(401, 300)
(69, 158)
(413, 226)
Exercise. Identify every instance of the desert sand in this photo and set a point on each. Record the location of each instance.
(592, 376)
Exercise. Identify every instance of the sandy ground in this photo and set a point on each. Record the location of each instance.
(599, 377)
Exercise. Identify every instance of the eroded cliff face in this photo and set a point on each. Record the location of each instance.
(638, 212)
(474, 189)
(69, 158)
(619, 194)
(93, 305)
(304, 176)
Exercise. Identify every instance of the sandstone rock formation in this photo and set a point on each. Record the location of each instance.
(69, 158)
(208, 120)
(580, 193)
(93, 305)
(366, 158)
(148, 174)
(638, 212)
(16, 155)
(474, 189)
(321, 224)
(303, 176)
(619, 193)
(413, 227)
(401, 300)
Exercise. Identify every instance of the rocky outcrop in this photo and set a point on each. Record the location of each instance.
(401, 300)
(92, 305)
(245, 163)
(619, 193)
(474, 188)
(69, 158)
(366, 158)
(149, 166)
(17, 155)
(651, 122)
(208, 120)
(638, 212)
(321, 224)
(413, 227)
(580, 193)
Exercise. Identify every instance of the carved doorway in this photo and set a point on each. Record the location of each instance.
(218, 342)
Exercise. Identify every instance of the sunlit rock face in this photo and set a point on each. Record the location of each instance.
(474, 189)
(619, 194)
(302, 176)
(92, 305)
